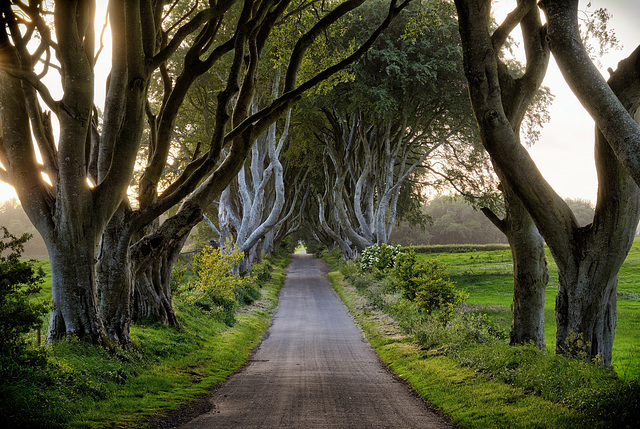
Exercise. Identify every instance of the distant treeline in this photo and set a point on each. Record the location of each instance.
(452, 220)
(13, 217)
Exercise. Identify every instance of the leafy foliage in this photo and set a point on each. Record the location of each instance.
(178, 276)
(460, 248)
(453, 221)
(314, 246)
(380, 258)
(215, 287)
(19, 280)
(427, 285)
(409, 92)
(596, 34)
(583, 210)
(19, 364)
(261, 271)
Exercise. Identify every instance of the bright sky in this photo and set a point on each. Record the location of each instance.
(101, 71)
(564, 153)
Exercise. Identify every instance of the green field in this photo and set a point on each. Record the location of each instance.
(487, 277)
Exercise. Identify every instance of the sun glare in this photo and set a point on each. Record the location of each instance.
(102, 68)
(7, 192)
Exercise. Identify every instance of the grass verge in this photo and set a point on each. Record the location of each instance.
(83, 386)
(487, 384)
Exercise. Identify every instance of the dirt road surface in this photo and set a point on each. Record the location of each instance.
(314, 370)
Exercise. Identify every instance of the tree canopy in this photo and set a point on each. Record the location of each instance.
(89, 164)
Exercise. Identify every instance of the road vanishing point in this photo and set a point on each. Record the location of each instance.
(314, 369)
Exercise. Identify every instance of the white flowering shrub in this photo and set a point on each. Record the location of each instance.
(381, 258)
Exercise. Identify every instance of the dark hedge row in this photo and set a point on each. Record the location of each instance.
(460, 248)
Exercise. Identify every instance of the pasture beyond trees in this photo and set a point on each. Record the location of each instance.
(588, 259)
(488, 279)
(467, 369)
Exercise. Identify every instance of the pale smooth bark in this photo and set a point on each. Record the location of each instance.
(261, 194)
(365, 167)
(246, 127)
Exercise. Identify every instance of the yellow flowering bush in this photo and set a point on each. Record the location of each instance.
(215, 287)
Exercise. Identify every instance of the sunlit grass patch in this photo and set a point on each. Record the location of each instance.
(487, 277)
(472, 397)
(190, 361)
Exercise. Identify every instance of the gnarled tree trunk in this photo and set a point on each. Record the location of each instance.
(74, 309)
(588, 273)
(153, 258)
(530, 272)
(115, 285)
(588, 258)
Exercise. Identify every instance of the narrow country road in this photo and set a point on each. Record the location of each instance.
(314, 370)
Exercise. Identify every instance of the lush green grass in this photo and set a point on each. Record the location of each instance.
(85, 386)
(504, 385)
(472, 398)
(38, 337)
(487, 277)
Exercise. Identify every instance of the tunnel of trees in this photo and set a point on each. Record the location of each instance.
(324, 121)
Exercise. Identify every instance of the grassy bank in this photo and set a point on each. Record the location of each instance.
(468, 371)
(487, 277)
(82, 386)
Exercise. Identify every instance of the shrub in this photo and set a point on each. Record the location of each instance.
(433, 290)
(403, 273)
(355, 276)
(215, 288)
(286, 247)
(381, 258)
(178, 276)
(261, 271)
(426, 284)
(18, 281)
(314, 247)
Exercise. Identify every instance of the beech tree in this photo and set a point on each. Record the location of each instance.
(530, 272)
(588, 258)
(69, 212)
(364, 175)
(405, 101)
(89, 165)
(253, 205)
(257, 210)
(163, 245)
